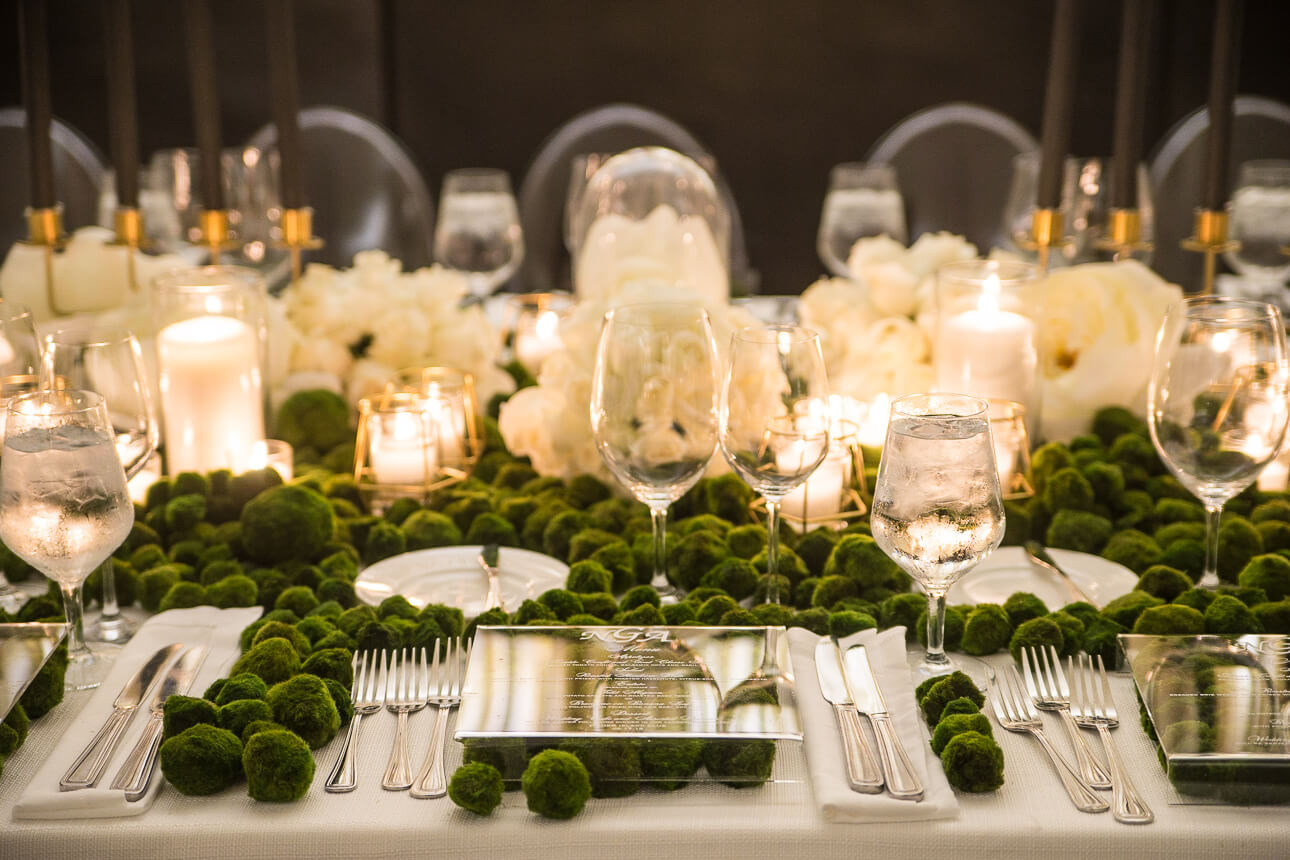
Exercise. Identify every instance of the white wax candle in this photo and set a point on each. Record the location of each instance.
(536, 338)
(449, 427)
(820, 495)
(987, 352)
(210, 393)
(401, 449)
(873, 430)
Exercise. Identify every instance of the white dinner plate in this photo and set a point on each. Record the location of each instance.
(451, 575)
(1007, 571)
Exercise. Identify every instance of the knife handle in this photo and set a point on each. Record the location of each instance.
(136, 771)
(89, 765)
(902, 781)
(863, 772)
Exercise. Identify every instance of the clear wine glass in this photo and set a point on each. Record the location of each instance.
(937, 510)
(1217, 401)
(19, 374)
(774, 417)
(478, 231)
(1260, 217)
(109, 362)
(862, 200)
(63, 502)
(654, 407)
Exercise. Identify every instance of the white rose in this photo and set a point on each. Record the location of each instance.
(316, 353)
(400, 338)
(1097, 332)
(893, 289)
(933, 250)
(366, 378)
(871, 250)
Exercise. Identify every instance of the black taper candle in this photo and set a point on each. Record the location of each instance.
(34, 28)
(285, 88)
(123, 120)
(1126, 149)
(1223, 72)
(201, 79)
(1059, 96)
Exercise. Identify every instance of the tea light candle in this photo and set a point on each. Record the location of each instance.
(448, 425)
(402, 449)
(988, 351)
(537, 336)
(210, 393)
(274, 454)
(820, 495)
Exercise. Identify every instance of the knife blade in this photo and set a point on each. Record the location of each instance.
(88, 766)
(902, 781)
(136, 770)
(863, 772)
(1038, 556)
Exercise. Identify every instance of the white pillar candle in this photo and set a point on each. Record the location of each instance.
(537, 336)
(402, 449)
(988, 351)
(210, 393)
(873, 430)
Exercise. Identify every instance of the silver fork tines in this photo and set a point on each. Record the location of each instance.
(449, 677)
(1048, 689)
(368, 695)
(1094, 708)
(1016, 713)
(410, 691)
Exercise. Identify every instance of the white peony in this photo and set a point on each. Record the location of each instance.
(1097, 332)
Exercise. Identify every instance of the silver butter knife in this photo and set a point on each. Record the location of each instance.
(488, 561)
(136, 770)
(863, 772)
(902, 782)
(89, 765)
(1038, 556)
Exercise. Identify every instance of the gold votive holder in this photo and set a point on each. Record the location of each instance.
(451, 401)
(396, 448)
(535, 333)
(833, 495)
(1011, 448)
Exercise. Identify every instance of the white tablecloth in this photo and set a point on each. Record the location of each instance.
(1028, 817)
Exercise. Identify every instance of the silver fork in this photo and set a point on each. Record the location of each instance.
(432, 781)
(1096, 709)
(411, 689)
(1047, 686)
(1016, 713)
(368, 695)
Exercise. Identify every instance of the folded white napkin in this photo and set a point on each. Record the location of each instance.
(217, 629)
(823, 740)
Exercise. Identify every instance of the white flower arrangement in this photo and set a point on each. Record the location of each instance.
(1097, 328)
(551, 422)
(352, 330)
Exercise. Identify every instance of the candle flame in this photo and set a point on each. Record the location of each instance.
(990, 295)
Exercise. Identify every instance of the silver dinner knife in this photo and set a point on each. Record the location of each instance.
(863, 772)
(89, 765)
(136, 770)
(1038, 556)
(902, 781)
(488, 561)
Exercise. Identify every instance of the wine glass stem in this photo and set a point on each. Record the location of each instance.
(772, 549)
(658, 520)
(73, 608)
(1213, 513)
(936, 629)
(108, 574)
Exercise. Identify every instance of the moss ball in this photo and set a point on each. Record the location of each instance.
(1172, 619)
(957, 724)
(1036, 633)
(286, 522)
(476, 787)
(668, 765)
(587, 577)
(274, 661)
(739, 763)
(237, 715)
(282, 630)
(334, 663)
(304, 705)
(238, 687)
(201, 760)
(180, 713)
(184, 595)
(279, 766)
(1023, 606)
(556, 784)
(973, 762)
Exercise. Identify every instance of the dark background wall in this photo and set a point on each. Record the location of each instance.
(779, 90)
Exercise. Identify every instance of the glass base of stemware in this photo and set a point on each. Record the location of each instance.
(87, 671)
(116, 630)
(981, 672)
(668, 593)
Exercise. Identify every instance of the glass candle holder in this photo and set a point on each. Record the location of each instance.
(1011, 448)
(450, 401)
(833, 494)
(537, 327)
(210, 343)
(987, 339)
(396, 448)
(274, 454)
